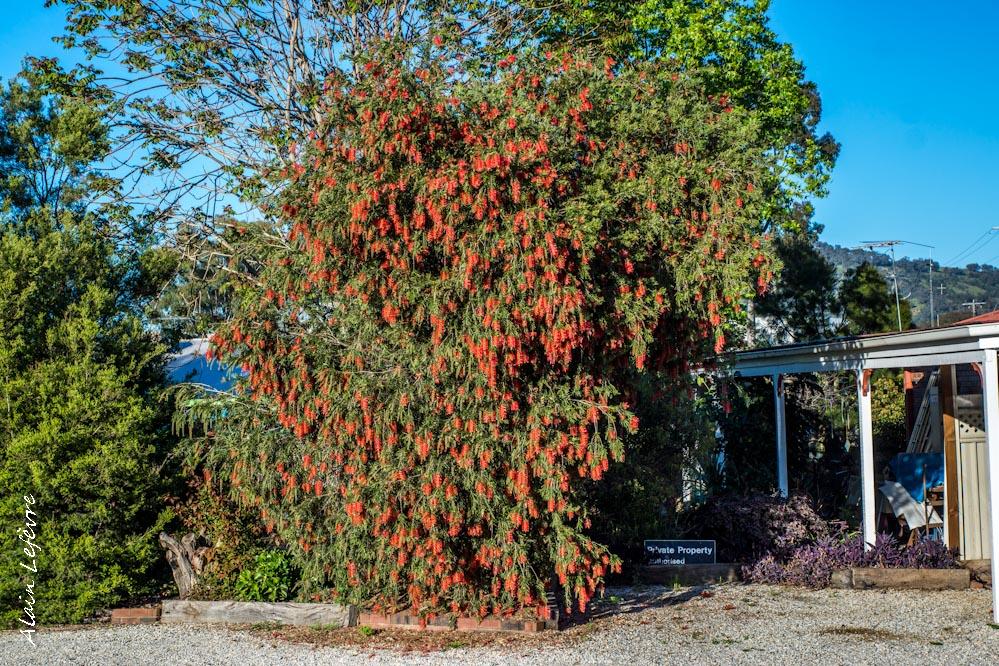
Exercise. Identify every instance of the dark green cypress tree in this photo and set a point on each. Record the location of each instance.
(81, 430)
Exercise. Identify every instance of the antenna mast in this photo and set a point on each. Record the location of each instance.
(870, 245)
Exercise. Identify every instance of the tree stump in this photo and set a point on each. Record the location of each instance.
(187, 559)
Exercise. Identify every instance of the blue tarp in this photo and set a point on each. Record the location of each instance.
(908, 470)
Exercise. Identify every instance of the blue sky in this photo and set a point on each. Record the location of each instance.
(910, 89)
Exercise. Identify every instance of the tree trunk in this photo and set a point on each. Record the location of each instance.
(186, 560)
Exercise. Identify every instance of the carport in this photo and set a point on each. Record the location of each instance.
(974, 344)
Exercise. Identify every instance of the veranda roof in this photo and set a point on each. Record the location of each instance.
(936, 346)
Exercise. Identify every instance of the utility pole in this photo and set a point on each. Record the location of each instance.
(973, 304)
(931, 288)
(932, 310)
(894, 279)
(941, 289)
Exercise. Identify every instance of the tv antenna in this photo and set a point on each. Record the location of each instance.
(890, 244)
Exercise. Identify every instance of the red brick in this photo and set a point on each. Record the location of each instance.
(153, 612)
(491, 624)
(468, 624)
(532, 625)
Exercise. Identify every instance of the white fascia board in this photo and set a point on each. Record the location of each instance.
(792, 366)
(898, 350)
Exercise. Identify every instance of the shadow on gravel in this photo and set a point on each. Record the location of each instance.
(626, 601)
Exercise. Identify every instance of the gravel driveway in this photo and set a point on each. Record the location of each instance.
(727, 624)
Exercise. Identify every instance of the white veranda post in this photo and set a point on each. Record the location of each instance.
(866, 456)
(990, 406)
(781, 428)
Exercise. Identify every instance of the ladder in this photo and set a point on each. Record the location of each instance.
(920, 439)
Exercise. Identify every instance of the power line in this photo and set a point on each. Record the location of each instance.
(950, 262)
(930, 247)
(976, 246)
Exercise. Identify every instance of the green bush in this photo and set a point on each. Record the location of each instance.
(81, 428)
(270, 579)
(81, 432)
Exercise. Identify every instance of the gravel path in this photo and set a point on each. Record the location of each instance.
(731, 624)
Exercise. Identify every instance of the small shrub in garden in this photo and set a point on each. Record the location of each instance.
(752, 526)
(269, 579)
(929, 554)
(233, 532)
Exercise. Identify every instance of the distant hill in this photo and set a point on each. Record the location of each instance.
(978, 282)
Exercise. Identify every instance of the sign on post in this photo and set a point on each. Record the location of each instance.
(679, 552)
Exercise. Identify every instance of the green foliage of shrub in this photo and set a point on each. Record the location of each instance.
(81, 429)
(888, 409)
(270, 579)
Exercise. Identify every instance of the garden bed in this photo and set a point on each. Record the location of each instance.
(450, 623)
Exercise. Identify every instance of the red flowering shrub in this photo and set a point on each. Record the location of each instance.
(476, 269)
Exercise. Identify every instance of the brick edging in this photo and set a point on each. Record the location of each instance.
(449, 623)
(144, 615)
